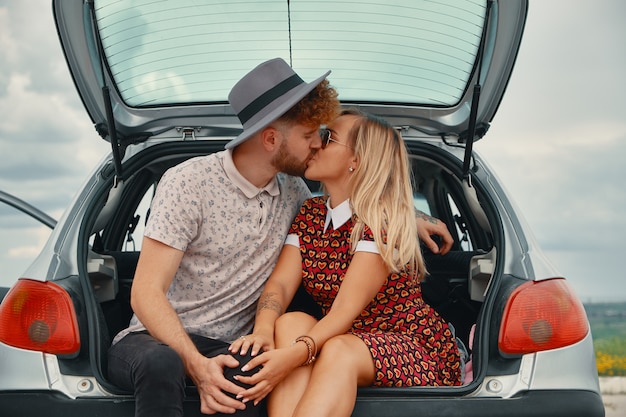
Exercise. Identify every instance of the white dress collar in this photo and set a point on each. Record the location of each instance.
(337, 216)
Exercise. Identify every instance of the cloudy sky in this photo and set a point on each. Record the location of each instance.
(558, 140)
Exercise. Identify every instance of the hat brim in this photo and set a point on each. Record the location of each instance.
(290, 100)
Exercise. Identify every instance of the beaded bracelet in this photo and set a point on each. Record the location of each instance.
(310, 345)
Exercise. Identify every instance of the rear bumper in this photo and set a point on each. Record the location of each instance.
(531, 403)
(528, 404)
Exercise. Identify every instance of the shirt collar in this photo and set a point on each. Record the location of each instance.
(249, 190)
(339, 215)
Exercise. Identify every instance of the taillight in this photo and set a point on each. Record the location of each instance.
(542, 315)
(39, 316)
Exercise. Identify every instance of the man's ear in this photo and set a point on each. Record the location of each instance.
(270, 138)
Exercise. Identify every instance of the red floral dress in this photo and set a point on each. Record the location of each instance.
(410, 343)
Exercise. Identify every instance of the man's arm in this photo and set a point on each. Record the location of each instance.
(428, 226)
(156, 268)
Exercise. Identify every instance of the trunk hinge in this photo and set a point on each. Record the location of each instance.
(109, 129)
(471, 129)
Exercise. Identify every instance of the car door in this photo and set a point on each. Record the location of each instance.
(23, 230)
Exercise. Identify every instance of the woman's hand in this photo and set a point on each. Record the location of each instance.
(256, 342)
(275, 366)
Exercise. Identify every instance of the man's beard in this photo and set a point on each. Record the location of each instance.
(287, 163)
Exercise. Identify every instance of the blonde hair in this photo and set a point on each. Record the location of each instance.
(382, 194)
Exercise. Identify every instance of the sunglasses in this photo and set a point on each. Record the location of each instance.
(326, 139)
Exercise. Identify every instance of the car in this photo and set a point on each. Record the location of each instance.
(154, 79)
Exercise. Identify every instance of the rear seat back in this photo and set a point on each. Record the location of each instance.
(445, 289)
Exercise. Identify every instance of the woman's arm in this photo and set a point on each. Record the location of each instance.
(365, 275)
(276, 296)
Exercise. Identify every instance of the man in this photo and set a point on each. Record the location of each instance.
(215, 231)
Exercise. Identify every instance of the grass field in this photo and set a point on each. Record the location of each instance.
(608, 327)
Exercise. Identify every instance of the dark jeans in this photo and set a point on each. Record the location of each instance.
(155, 373)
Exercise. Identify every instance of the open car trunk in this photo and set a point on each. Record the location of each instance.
(458, 286)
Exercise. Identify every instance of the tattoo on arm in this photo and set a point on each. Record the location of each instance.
(268, 302)
(424, 216)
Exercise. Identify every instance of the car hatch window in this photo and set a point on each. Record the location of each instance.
(411, 51)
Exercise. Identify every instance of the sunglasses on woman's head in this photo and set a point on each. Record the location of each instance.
(326, 139)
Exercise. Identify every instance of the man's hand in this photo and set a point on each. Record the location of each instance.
(208, 375)
(428, 226)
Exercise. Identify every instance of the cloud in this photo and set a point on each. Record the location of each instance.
(570, 186)
(569, 69)
(18, 249)
(37, 238)
(47, 142)
(36, 141)
(596, 276)
(559, 139)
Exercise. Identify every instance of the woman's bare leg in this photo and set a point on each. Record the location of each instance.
(284, 398)
(344, 363)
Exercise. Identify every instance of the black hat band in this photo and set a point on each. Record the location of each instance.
(266, 98)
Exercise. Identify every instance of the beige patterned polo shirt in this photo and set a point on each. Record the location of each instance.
(231, 233)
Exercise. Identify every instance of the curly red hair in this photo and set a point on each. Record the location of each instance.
(317, 108)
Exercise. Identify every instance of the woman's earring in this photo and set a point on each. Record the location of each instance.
(350, 169)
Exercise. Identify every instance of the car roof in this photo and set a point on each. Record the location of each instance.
(168, 65)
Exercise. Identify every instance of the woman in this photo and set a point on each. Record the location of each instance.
(356, 252)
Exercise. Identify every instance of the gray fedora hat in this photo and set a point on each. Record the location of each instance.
(266, 93)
